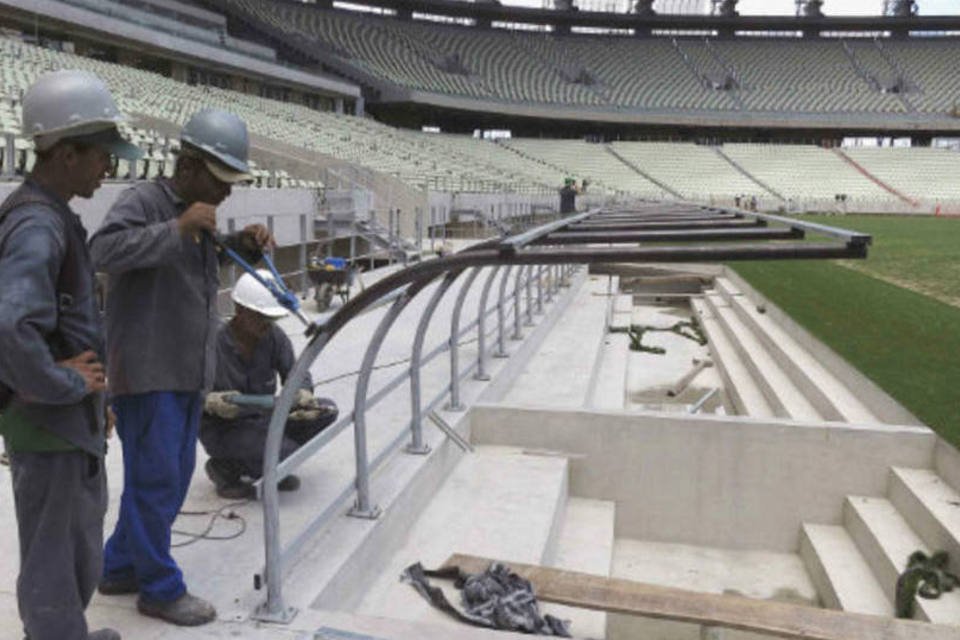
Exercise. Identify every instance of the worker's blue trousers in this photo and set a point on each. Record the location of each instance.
(159, 435)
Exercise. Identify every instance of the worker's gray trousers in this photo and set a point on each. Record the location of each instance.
(61, 498)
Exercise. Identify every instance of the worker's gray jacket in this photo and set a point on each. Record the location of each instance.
(162, 294)
(48, 313)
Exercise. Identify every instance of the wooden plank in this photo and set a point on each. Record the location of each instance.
(732, 612)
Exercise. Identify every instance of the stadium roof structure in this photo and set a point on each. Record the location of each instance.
(486, 12)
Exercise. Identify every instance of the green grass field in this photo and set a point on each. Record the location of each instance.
(895, 316)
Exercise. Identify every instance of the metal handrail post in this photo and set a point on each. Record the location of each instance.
(274, 610)
(548, 288)
(303, 256)
(362, 508)
(528, 287)
(417, 446)
(517, 309)
(455, 404)
(501, 351)
(540, 288)
(481, 373)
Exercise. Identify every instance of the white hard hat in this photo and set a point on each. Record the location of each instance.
(254, 296)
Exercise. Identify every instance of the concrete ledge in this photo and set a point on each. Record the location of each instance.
(729, 482)
(885, 407)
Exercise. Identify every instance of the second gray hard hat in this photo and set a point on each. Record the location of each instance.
(222, 136)
(77, 105)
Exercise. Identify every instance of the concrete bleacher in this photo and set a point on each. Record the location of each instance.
(576, 158)
(797, 171)
(924, 172)
(695, 171)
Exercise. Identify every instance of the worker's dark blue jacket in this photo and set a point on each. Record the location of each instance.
(255, 374)
(162, 297)
(48, 313)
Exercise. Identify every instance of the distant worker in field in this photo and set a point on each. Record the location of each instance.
(52, 350)
(251, 352)
(568, 197)
(157, 245)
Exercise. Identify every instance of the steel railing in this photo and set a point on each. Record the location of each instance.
(535, 263)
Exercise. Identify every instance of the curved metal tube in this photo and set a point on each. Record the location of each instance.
(416, 423)
(455, 404)
(362, 508)
(481, 373)
(501, 315)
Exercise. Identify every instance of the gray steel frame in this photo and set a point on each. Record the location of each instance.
(532, 250)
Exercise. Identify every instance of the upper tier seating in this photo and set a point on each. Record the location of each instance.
(625, 73)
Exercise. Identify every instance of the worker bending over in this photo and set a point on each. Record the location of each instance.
(251, 352)
(157, 245)
(52, 352)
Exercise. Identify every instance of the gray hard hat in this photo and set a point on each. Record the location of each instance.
(76, 105)
(222, 136)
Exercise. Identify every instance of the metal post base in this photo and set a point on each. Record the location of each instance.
(517, 336)
(528, 323)
(284, 616)
(422, 450)
(501, 354)
(365, 514)
(454, 407)
(482, 377)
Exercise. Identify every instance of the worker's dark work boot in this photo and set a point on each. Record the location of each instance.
(186, 611)
(104, 634)
(118, 586)
(227, 481)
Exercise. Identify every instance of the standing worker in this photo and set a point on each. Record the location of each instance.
(568, 197)
(251, 352)
(51, 355)
(157, 246)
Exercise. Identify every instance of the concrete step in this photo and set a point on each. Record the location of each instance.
(740, 387)
(886, 540)
(585, 544)
(931, 507)
(609, 382)
(831, 398)
(560, 373)
(497, 503)
(840, 572)
(782, 394)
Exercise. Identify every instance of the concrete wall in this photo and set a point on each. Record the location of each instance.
(245, 206)
(708, 480)
(495, 206)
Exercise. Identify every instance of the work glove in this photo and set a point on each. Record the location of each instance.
(306, 400)
(217, 404)
(313, 410)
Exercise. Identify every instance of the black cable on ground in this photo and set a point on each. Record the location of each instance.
(225, 513)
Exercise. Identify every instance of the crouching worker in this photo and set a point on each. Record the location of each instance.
(251, 352)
